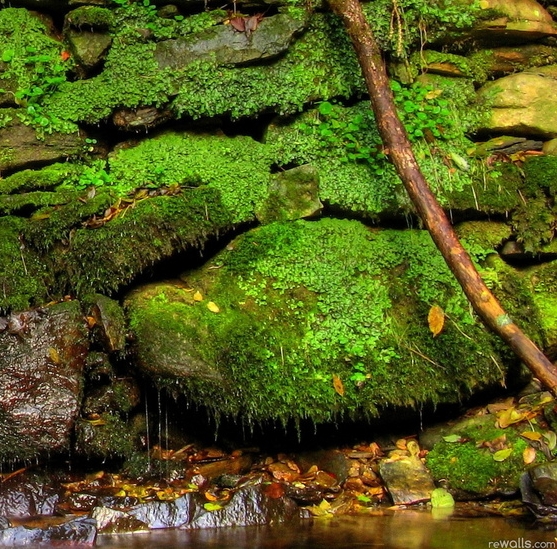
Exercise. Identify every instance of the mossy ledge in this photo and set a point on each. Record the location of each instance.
(315, 320)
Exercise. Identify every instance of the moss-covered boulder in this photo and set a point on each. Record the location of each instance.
(314, 319)
(485, 454)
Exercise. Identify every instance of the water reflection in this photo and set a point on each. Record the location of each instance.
(404, 530)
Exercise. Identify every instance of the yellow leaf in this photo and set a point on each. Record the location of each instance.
(509, 416)
(213, 307)
(338, 385)
(198, 296)
(484, 4)
(502, 455)
(529, 455)
(436, 320)
(54, 355)
(433, 94)
(531, 435)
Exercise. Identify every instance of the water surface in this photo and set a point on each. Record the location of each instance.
(402, 530)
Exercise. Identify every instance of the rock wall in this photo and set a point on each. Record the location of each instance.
(133, 134)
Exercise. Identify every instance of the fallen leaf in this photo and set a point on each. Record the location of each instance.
(551, 439)
(433, 94)
(210, 506)
(452, 438)
(436, 320)
(502, 455)
(338, 385)
(213, 307)
(531, 435)
(509, 416)
(529, 455)
(54, 355)
(198, 296)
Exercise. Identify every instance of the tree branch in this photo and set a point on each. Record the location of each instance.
(433, 216)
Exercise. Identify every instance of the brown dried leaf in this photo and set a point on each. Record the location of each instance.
(436, 320)
(338, 385)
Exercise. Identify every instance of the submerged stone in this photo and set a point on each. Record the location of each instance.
(407, 480)
(81, 531)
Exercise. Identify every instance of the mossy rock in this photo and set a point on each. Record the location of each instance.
(344, 146)
(314, 320)
(466, 458)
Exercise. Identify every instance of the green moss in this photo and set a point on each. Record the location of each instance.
(370, 186)
(304, 303)
(34, 180)
(540, 173)
(474, 470)
(104, 259)
(130, 78)
(91, 17)
(24, 279)
(239, 168)
(320, 64)
(469, 465)
(109, 437)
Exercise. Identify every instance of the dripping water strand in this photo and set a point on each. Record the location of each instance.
(147, 441)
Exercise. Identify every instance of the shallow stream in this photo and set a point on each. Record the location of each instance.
(402, 530)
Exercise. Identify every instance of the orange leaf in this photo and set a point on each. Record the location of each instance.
(436, 320)
(529, 455)
(531, 435)
(338, 385)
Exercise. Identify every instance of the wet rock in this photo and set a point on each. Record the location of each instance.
(249, 506)
(166, 514)
(42, 360)
(28, 495)
(88, 48)
(544, 481)
(293, 194)
(110, 322)
(271, 37)
(532, 491)
(141, 118)
(77, 531)
(523, 104)
(113, 521)
(20, 148)
(407, 480)
(520, 21)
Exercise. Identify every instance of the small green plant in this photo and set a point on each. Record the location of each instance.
(94, 175)
(424, 114)
(423, 111)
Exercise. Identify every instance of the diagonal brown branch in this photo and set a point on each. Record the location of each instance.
(433, 216)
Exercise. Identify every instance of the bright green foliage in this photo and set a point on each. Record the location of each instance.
(34, 68)
(472, 469)
(23, 276)
(320, 64)
(406, 24)
(344, 144)
(304, 302)
(237, 167)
